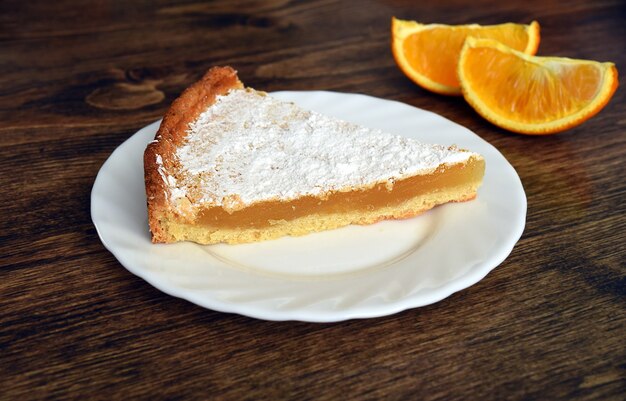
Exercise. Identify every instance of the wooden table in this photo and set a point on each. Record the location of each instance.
(79, 79)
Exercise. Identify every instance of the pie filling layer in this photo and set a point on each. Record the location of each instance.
(264, 214)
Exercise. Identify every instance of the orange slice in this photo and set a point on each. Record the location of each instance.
(529, 94)
(429, 54)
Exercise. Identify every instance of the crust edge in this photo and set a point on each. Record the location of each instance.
(172, 131)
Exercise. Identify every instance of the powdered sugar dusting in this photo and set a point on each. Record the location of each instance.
(258, 148)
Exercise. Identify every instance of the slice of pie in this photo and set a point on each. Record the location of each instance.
(231, 164)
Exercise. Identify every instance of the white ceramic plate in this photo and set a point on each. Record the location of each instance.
(353, 272)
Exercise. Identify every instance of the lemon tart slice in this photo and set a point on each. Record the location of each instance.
(232, 164)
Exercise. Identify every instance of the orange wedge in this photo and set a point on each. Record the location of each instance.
(429, 54)
(529, 94)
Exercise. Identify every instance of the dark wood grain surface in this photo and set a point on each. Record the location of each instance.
(79, 78)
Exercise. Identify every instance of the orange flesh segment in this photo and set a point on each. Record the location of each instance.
(434, 52)
(513, 86)
(536, 91)
(260, 214)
